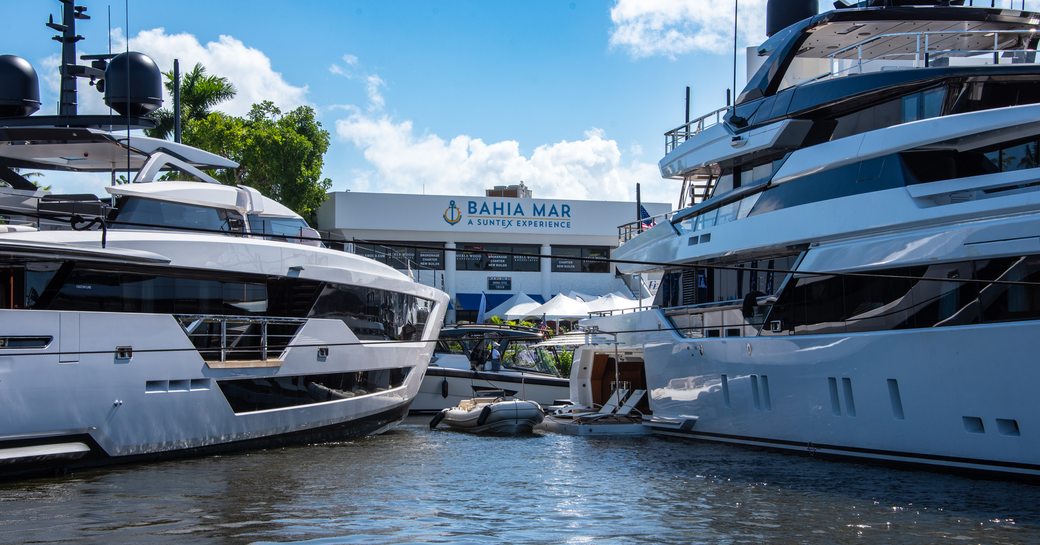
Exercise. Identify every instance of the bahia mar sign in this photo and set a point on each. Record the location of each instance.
(509, 214)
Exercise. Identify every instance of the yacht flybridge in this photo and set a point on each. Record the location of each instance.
(180, 317)
(855, 267)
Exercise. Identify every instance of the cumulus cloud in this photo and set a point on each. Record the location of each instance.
(670, 28)
(403, 160)
(247, 68)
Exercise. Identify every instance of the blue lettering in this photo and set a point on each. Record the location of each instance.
(553, 212)
(538, 210)
(484, 209)
(472, 207)
(565, 209)
(499, 208)
(519, 210)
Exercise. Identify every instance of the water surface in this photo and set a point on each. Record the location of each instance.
(414, 485)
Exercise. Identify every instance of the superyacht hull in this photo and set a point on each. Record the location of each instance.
(94, 388)
(959, 398)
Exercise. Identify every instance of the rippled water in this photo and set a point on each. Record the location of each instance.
(414, 485)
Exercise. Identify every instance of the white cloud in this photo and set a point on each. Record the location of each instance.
(376, 101)
(673, 27)
(373, 83)
(403, 162)
(247, 68)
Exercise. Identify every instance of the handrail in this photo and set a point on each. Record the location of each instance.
(234, 331)
(628, 231)
(684, 132)
(923, 54)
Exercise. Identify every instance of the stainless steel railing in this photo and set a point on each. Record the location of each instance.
(223, 337)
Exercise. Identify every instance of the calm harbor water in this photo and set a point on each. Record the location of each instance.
(414, 485)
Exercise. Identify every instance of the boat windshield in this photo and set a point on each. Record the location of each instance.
(145, 214)
(531, 360)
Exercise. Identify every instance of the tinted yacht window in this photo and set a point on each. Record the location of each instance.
(942, 295)
(138, 213)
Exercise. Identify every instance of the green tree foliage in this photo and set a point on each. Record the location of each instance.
(200, 92)
(280, 154)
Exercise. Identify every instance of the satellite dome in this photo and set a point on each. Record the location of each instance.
(19, 87)
(133, 84)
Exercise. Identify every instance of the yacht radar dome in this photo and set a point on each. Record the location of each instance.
(781, 14)
(19, 87)
(133, 84)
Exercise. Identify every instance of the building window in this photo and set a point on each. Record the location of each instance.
(498, 257)
(577, 259)
(402, 256)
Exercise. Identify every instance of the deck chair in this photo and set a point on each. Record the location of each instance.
(624, 411)
(613, 402)
(612, 405)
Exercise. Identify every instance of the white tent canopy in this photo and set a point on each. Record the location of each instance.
(561, 307)
(612, 301)
(515, 307)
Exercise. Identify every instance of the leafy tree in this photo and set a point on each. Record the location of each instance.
(281, 155)
(200, 92)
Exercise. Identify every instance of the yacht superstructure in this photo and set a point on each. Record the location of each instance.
(182, 317)
(855, 265)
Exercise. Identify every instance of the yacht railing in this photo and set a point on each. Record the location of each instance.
(932, 48)
(682, 133)
(222, 337)
(628, 231)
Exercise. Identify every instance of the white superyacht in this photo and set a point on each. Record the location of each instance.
(855, 266)
(182, 317)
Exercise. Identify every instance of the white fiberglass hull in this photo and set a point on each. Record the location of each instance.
(958, 397)
(166, 400)
(444, 387)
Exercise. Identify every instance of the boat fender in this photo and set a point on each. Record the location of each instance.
(484, 414)
(444, 388)
(437, 418)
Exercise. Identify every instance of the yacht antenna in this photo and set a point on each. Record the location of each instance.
(126, 11)
(68, 39)
(735, 4)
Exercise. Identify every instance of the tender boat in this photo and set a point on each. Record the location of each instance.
(182, 317)
(854, 268)
(491, 415)
(461, 369)
(608, 390)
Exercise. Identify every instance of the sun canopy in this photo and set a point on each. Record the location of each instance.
(561, 307)
(514, 307)
(612, 301)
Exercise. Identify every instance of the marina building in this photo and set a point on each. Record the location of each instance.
(496, 246)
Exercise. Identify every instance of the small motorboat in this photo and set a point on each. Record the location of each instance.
(492, 415)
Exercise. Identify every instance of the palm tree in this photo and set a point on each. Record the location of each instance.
(200, 92)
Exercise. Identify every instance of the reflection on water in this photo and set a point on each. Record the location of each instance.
(414, 485)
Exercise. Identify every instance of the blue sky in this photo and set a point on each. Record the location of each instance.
(571, 96)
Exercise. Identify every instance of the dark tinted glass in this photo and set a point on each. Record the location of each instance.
(138, 213)
(258, 394)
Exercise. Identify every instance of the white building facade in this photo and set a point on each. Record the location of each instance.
(493, 246)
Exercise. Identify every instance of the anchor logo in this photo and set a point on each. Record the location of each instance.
(452, 215)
